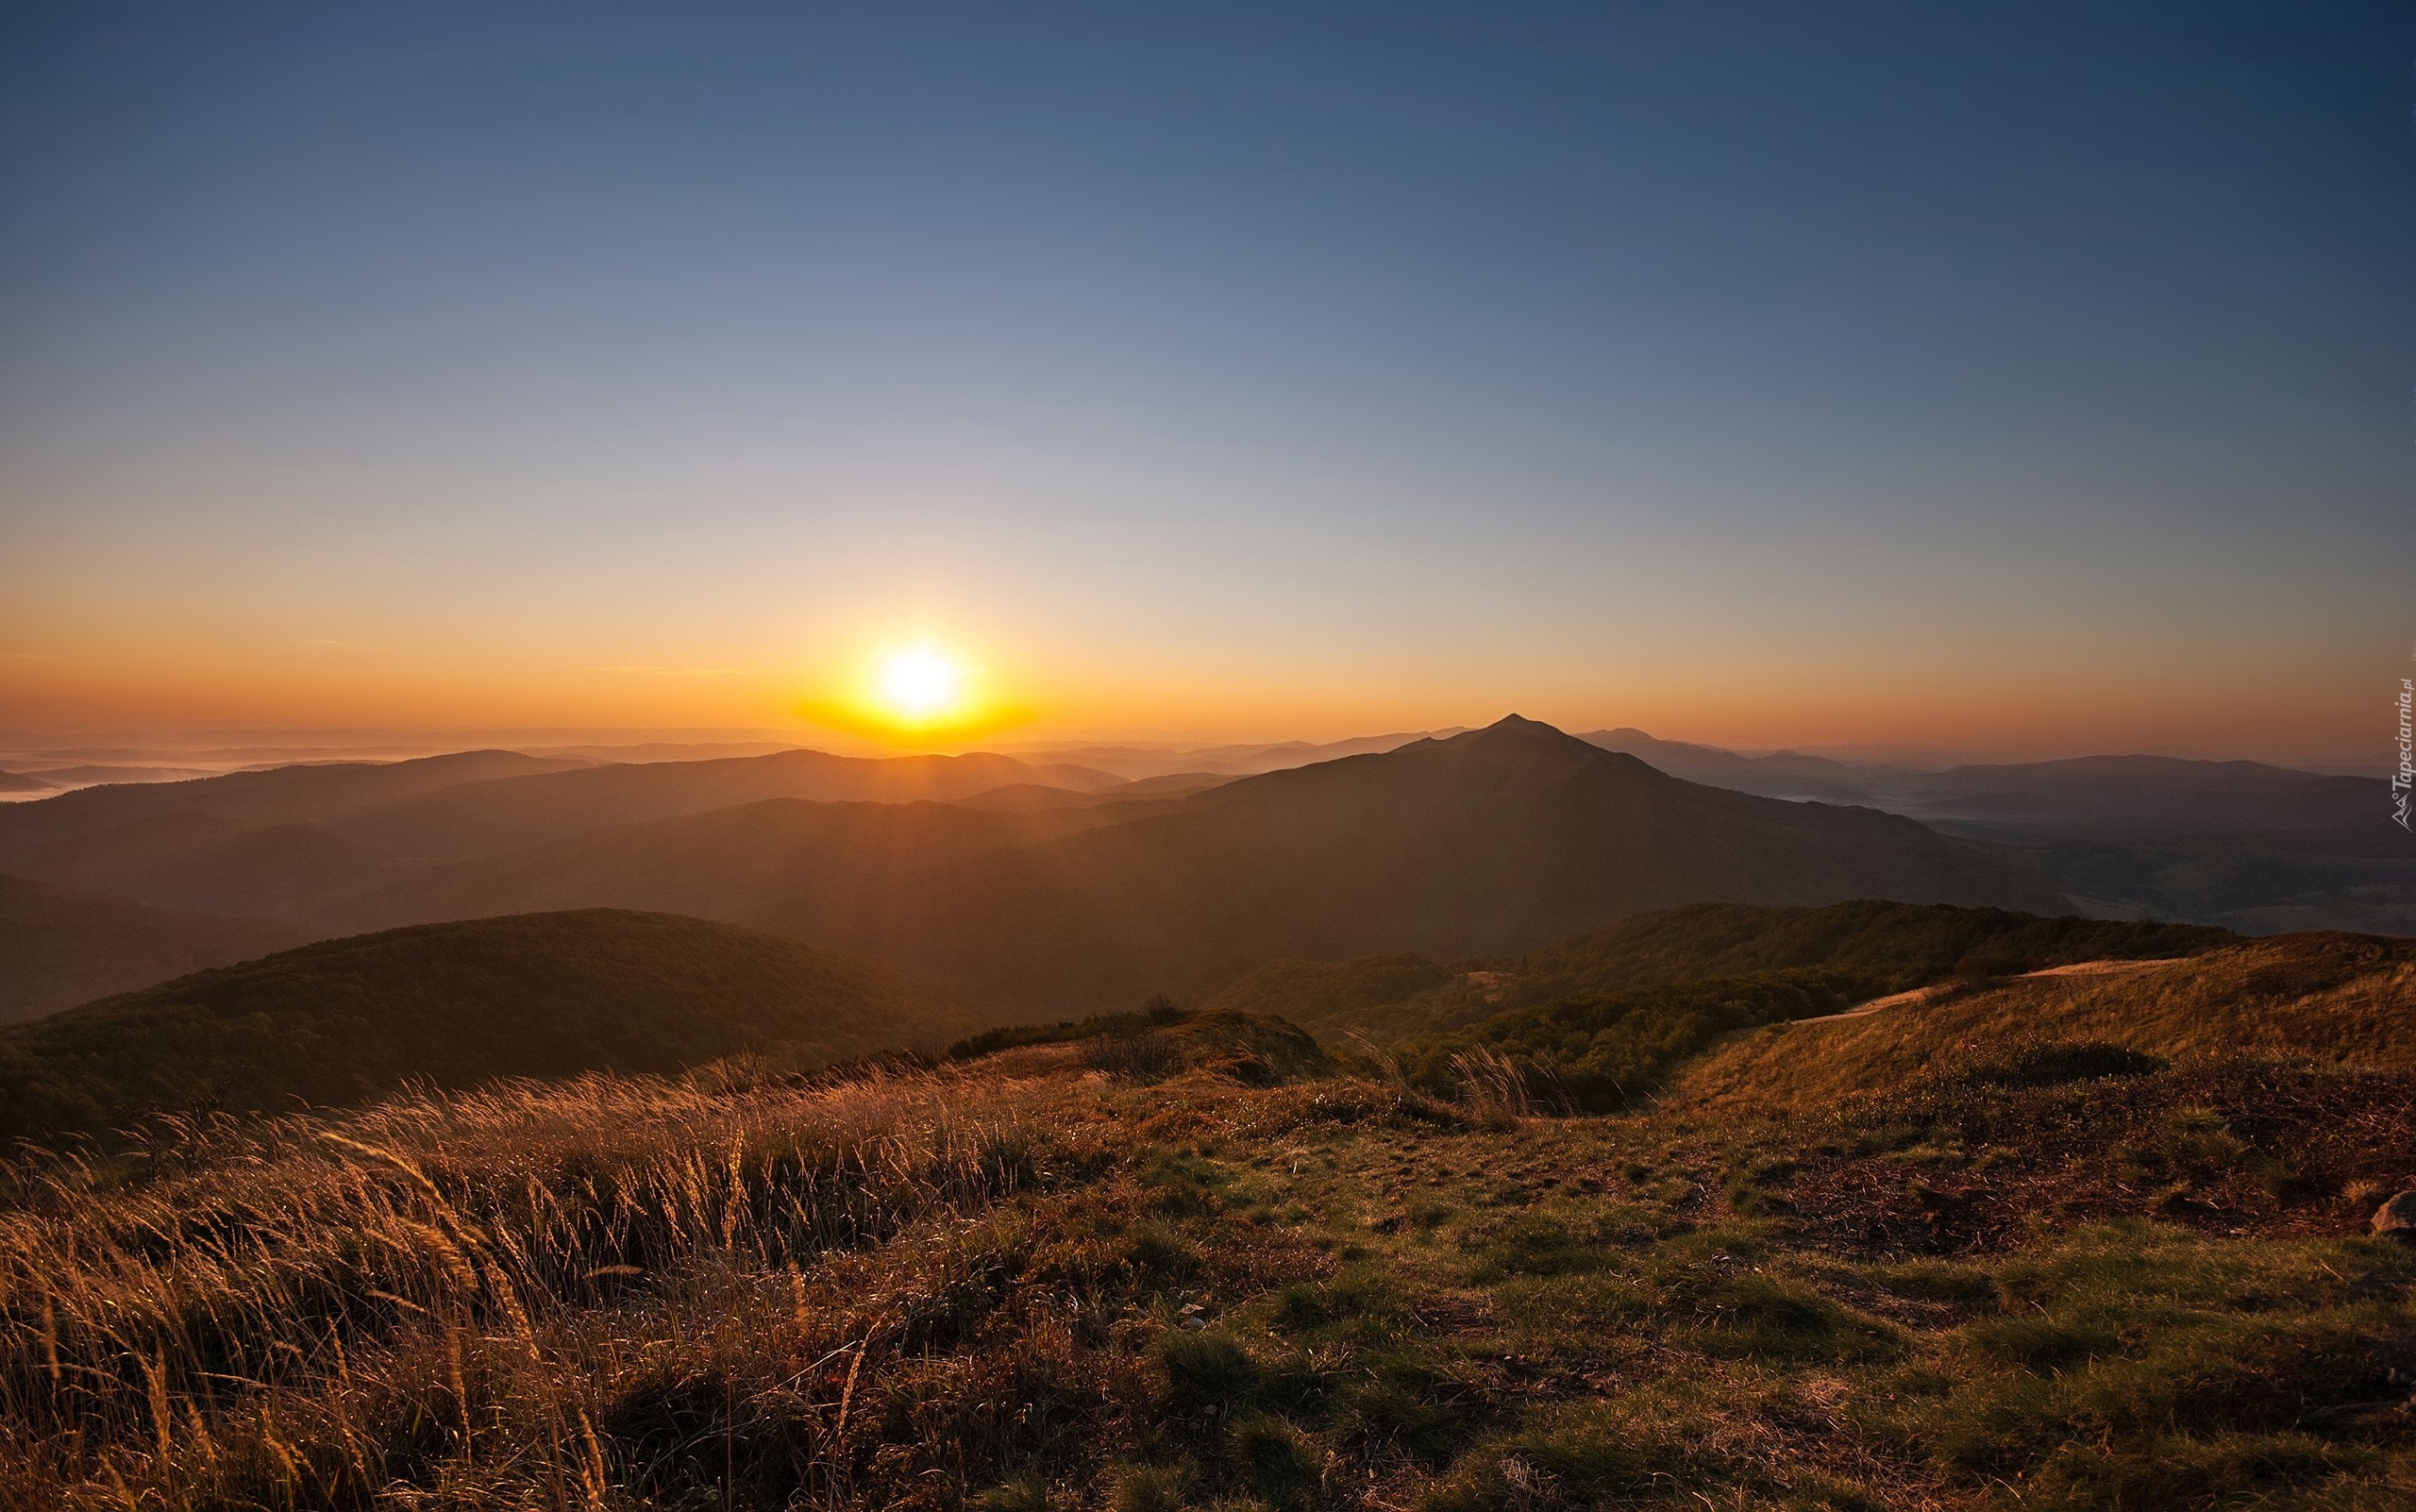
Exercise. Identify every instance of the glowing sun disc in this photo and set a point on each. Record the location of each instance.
(921, 684)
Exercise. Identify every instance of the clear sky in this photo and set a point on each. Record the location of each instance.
(2038, 378)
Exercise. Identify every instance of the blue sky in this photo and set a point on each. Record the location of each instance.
(2034, 379)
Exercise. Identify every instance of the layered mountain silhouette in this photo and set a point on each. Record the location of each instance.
(281, 795)
(1056, 887)
(60, 948)
(1142, 763)
(830, 872)
(2239, 844)
(285, 841)
(488, 817)
(2147, 797)
(2105, 798)
(1780, 774)
(1490, 841)
(1486, 843)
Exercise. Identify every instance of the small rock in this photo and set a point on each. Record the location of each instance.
(1195, 1321)
(2396, 1218)
(1191, 1308)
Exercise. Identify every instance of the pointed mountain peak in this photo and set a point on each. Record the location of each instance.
(1520, 729)
(1515, 738)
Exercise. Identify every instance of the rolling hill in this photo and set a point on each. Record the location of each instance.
(487, 818)
(1861, 949)
(284, 794)
(2103, 797)
(1142, 763)
(1162, 1261)
(286, 840)
(294, 842)
(1869, 947)
(2254, 847)
(1490, 842)
(2343, 1001)
(2242, 845)
(2145, 797)
(190, 859)
(841, 874)
(1780, 774)
(60, 948)
(547, 995)
(245, 843)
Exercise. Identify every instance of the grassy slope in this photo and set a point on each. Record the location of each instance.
(1019, 1281)
(60, 948)
(2343, 999)
(1878, 947)
(532, 995)
(1340, 998)
(1603, 1052)
(1861, 949)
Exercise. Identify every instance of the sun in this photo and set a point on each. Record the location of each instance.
(922, 694)
(921, 685)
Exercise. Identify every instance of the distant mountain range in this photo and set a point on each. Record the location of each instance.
(289, 841)
(60, 948)
(2250, 846)
(1141, 762)
(1782, 774)
(510, 813)
(1488, 841)
(1062, 884)
(2115, 798)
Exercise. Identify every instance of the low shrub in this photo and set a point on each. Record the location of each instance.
(2057, 1062)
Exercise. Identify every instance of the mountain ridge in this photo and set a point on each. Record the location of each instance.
(539, 995)
(60, 947)
(1483, 841)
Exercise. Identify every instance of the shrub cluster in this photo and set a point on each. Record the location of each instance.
(1160, 1012)
(1600, 1052)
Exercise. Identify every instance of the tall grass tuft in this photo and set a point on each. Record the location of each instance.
(399, 1303)
(1491, 1087)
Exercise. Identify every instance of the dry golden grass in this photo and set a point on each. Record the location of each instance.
(1035, 1280)
(249, 1325)
(2345, 1001)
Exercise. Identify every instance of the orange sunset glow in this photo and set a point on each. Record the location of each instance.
(919, 695)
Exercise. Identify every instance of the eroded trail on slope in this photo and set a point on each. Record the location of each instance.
(1921, 995)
